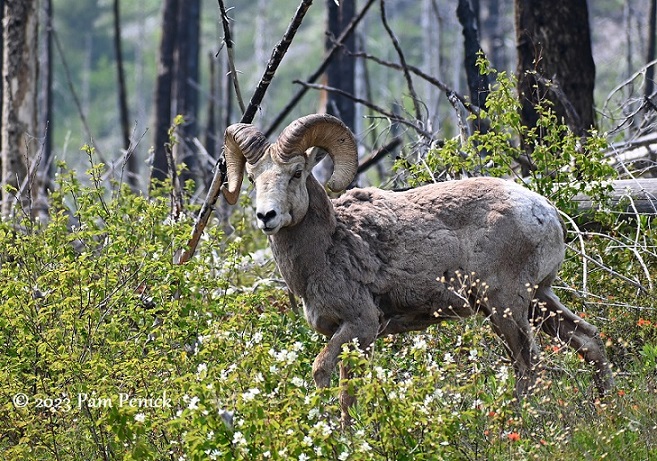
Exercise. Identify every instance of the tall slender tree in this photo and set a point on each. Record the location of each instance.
(652, 39)
(46, 100)
(186, 81)
(19, 120)
(163, 89)
(341, 72)
(131, 161)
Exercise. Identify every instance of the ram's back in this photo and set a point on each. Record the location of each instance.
(401, 242)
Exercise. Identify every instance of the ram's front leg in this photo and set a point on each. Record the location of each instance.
(328, 359)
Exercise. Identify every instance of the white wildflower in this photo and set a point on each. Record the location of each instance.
(298, 382)
(238, 439)
(193, 403)
(503, 374)
(419, 344)
(213, 454)
(250, 394)
(322, 428)
(380, 373)
(140, 417)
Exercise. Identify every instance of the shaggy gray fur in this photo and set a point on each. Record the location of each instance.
(371, 263)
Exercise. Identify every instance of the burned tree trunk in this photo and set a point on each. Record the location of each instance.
(554, 45)
(163, 90)
(19, 80)
(185, 84)
(341, 72)
(131, 161)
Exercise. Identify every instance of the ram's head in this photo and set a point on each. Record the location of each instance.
(279, 170)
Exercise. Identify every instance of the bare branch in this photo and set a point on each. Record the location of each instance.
(434, 81)
(228, 40)
(219, 177)
(379, 154)
(74, 94)
(372, 106)
(634, 283)
(402, 60)
(320, 70)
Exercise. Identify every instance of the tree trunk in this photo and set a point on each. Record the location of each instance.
(650, 71)
(554, 43)
(163, 90)
(19, 77)
(46, 100)
(2, 87)
(131, 161)
(477, 83)
(341, 72)
(186, 82)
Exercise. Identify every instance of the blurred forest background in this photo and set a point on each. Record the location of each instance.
(78, 61)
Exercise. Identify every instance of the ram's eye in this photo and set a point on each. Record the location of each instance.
(298, 173)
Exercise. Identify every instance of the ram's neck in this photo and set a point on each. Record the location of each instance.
(300, 250)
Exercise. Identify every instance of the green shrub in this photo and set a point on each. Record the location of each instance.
(110, 351)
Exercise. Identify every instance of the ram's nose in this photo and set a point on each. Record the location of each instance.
(268, 221)
(267, 216)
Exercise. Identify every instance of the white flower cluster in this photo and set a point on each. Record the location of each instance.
(284, 356)
(250, 394)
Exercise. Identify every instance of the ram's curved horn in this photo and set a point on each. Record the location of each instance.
(242, 143)
(328, 133)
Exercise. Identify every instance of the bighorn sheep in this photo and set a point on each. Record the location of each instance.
(375, 262)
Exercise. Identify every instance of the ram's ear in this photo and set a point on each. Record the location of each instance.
(314, 155)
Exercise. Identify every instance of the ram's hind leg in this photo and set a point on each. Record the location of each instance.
(509, 318)
(558, 321)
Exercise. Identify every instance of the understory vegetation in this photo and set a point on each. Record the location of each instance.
(111, 351)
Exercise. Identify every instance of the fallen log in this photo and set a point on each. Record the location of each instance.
(633, 196)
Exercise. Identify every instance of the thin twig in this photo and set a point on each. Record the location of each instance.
(585, 269)
(634, 283)
(379, 154)
(633, 249)
(177, 205)
(402, 60)
(473, 109)
(228, 40)
(368, 104)
(74, 94)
